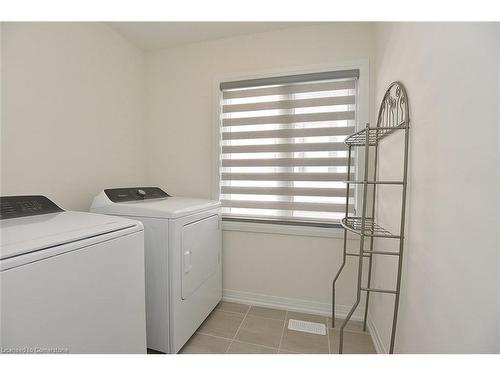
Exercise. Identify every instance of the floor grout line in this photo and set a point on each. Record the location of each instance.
(248, 313)
(214, 336)
(283, 331)
(230, 312)
(238, 330)
(265, 317)
(251, 343)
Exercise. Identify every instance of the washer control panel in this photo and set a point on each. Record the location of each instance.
(134, 194)
(26, 205)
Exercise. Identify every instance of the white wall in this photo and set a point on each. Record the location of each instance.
(450, 295)
(72, 120)
(180, 83)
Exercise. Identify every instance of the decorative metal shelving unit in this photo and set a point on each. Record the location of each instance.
(393, 116)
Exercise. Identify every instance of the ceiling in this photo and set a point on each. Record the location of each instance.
(159, 35)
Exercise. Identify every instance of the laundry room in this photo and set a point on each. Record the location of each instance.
(248, 186)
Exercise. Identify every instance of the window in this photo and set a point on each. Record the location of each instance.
(282, 157)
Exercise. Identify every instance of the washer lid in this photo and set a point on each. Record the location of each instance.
(167, 208)
(27, 234)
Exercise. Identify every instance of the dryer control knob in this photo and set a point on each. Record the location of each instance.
(141, 193)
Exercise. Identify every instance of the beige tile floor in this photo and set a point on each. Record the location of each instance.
(242, 329)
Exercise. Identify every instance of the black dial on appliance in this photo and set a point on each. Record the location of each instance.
(26, 205)
(135, 194)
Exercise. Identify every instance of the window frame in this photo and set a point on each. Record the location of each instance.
(362, 117)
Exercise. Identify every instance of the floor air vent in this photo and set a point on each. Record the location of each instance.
(309, 327)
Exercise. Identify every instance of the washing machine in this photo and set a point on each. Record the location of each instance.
(183, 259)
(70, 282)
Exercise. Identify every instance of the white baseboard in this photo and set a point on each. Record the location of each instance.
(291, 304)
(374, 333)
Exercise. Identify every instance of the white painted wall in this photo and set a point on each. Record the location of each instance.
(180, 83)
(72, 120)
(450, 295)
(287, 271)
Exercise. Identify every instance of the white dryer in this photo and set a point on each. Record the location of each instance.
(71, 282)
(183, 259)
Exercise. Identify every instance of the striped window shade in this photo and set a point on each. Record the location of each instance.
(283, 158)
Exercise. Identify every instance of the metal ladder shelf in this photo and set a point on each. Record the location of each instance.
(393, 116)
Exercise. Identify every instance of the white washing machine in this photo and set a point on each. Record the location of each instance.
(183, 259)
(71, 282)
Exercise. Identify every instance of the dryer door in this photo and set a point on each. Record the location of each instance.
(200, 249)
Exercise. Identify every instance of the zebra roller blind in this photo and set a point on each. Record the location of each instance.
(282, 151)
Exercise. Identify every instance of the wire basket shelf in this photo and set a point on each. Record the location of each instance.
(371, 228)
(375, 135)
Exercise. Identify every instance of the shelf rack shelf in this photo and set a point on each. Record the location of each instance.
(375, 135)
(369, 228)
(374, 182)
(393, 116)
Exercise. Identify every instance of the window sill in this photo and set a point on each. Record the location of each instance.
(291, 230)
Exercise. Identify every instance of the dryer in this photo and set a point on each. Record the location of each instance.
(71, 282)
(183, 259)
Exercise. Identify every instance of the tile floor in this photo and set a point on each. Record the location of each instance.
(241, 329)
